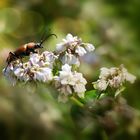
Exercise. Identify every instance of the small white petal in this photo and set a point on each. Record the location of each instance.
(101, 85)
(70, 59)
(79, 78)
(66, 68)
(19, 72)
(113, 71)
(79, 88)
(70, 38)
(39, 76)
(47, 72)
(104, 73)
(89, 47)
(60, 47)
(80, 51)
(115, 82)
(130, 78)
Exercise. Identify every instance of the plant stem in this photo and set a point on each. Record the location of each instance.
(76, 101)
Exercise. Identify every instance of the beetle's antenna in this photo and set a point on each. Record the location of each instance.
(43, 36)
(46, 37)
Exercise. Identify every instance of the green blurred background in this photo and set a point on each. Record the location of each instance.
(32, 112)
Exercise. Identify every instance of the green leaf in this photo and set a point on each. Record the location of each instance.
(90, 95)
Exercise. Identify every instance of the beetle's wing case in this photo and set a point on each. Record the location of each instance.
(21, 51)
(31, 45)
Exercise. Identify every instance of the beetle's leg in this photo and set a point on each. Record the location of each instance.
(5, 68)
(8, 62)
(21, 60)
(12, 54)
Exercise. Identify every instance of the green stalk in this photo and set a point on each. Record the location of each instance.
(76, 101)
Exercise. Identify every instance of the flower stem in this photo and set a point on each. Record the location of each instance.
(76, 101)
(98, 96)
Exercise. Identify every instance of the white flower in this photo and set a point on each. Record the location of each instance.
(68, 41)
(9, 74)
(116, 81)
(80, 51)
(66, 76)
(71, 40)
(101, 85)
(127, 76)
(48, 73)
(114, 71)
(113, 77)
(66, 68)
(70, 59)
(19, 72)
(89, 47)
(104, 73)
(48, 58)
(34, 58)
(64, 90)
(45, 59)
(80, 82)
(130, 77)
(71, 48)
(79, 78)
(60, 47)
(80, 89)
(68, 81)
(43, 74)
(39, 76)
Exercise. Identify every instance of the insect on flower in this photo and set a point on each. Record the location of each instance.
(26, 49)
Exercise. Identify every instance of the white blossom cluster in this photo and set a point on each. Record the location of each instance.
(113, 77)
(71, 48)
(74, 45)
(54, 68)
(38, 68)
(69, 82)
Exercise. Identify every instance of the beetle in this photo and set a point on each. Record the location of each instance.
(25, 50)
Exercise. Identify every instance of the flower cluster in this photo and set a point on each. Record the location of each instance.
(38, 68)
(113, 77)
(71, 48)
(74, 45)
(68, 82)
(54, 68)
